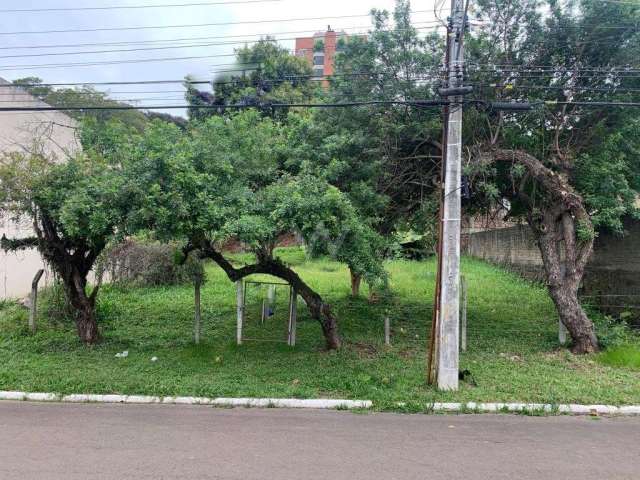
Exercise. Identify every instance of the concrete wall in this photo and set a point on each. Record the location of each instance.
(50, 133)
(612, 279)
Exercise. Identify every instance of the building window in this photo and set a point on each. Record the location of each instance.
(318, 72)
(318, 60)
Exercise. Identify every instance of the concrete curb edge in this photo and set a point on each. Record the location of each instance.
(321, 403)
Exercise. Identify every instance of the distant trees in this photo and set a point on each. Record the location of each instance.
(386, 158)
(264, 73)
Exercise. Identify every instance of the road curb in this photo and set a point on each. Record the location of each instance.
(537, 408)
(318, 403)
(323, 403)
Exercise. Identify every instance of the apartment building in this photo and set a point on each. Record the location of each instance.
(320, 50)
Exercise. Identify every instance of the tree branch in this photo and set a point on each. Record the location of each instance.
(17, 244)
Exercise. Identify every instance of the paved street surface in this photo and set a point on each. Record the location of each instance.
(64, 441)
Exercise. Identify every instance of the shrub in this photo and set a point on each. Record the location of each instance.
(149, 264)
(612, 332)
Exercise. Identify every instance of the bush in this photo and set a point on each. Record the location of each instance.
(149, 264)
(611, 332)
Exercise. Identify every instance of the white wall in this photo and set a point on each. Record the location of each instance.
(50, 132)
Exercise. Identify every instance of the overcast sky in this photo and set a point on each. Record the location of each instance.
(13, 26)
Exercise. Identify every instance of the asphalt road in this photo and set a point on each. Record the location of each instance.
(66, 441)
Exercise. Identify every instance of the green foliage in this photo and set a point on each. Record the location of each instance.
(84, 96)
(384, 158)
(607, 176)
(595, 148)
(230, 177)
(612, 332)
(269, 74)
(585, 231)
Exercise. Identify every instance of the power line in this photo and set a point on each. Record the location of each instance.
(132, 7)
(122, 62)
(205, 38)
(166, 47)
(217, 24)
(189, 82)
(417, 103)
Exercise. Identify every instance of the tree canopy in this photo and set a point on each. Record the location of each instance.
(226, 177)
(570, 166)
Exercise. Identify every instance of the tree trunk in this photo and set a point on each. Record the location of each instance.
(564, 234)
(564, 272)
(356, 280)
(573, 317)
(87, 325)
(84, 306)
(318, 309)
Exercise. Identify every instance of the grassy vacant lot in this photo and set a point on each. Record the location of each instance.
(513, 352)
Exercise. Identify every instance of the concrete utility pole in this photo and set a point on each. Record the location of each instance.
(449, 321)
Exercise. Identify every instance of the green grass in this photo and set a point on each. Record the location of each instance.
(513, 353)
(622, 356)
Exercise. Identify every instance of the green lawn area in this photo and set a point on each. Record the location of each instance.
(513, 352)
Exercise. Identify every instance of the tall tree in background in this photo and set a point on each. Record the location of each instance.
(264, 73)
(568, 169)
(386, 158)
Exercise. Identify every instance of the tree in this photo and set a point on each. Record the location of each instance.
(76, 208)
(570, 169)
(386, 158)
(224, 179)
(266, 73)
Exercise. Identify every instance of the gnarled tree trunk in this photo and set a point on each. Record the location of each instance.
(72, 263)
(555, 234)
(564, 233)
(318, 309)
(84, 306)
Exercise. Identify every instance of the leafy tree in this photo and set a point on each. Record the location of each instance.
(76, 208)
(224, 179)
(569, 169)
(266, 73)
(387, 157)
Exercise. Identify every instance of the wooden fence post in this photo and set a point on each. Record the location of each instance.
(33, 309)
(387, 330)
(293, 317)
(197, 324)
(240, 310)
(463, 316)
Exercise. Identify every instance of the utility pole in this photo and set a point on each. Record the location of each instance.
(446, 345)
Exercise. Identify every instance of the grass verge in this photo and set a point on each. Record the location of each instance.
(513, 353)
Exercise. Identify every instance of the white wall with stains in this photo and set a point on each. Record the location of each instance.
(53, 133)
